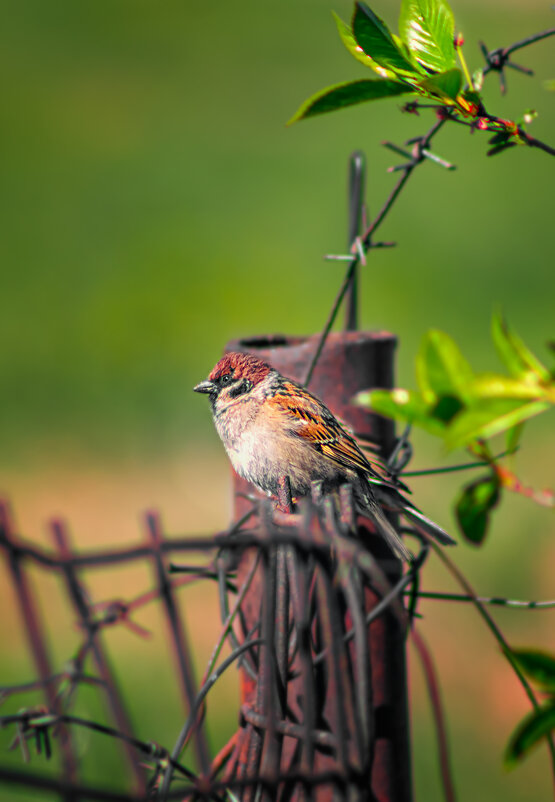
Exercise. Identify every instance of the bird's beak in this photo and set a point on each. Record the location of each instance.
(205, 387)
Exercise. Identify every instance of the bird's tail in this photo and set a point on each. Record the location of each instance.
(393, 500)
(429, 527)
(386, 528)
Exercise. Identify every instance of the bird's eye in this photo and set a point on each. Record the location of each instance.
(226, 379)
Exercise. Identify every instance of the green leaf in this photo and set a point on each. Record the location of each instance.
(428, 28)
(375, 38)
(519, 360)
(474, 505)
(441, 369)
(513, 437)
(348, 94)
(356, 50)
(534, 726)
(487, 418)
(401, 405)
(493, 385)
(446, 408)
(444, 84)
(539, 666)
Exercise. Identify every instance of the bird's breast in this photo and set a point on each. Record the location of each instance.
(262, 454)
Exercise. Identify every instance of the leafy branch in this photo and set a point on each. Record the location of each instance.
(426, 63)
(465, 409)
(539, 667)
(426, 60)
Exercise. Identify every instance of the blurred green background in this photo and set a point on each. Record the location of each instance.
(153, 205)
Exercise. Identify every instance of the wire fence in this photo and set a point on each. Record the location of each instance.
(321, 590)
(310, 719)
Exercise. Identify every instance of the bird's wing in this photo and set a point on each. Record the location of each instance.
(318, 427)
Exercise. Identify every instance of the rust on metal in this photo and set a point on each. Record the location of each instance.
(352, 724)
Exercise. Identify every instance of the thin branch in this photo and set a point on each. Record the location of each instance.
(500, 638)
(212, 679)
(536, 143)
(509, 480)
(382, 214)
(460, 467)
(493, 600)
(530, 40)
(228, 623)
(435, 697)
(331, 319)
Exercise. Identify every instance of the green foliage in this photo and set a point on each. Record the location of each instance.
(517, 358)
(465, 409)
(428, 28)
(348, 94)
(420, 61)
(375, 39)
(488, 417)
(445, 85)
(441, 369)
(533, 727)
(474, 505)
(347, 37)
(539, 667)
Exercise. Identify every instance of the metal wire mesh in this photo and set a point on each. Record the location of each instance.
(307, 719)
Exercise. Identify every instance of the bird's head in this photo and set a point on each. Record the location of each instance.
(235, 376)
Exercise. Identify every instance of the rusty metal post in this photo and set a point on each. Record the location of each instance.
(351, 361)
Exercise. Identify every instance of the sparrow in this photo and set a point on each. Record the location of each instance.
(272, 427)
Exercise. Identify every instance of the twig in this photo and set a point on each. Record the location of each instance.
(530, 40)
(536, 143)
(437, 707)
(331, 319)
(228, 623)
(461, 467)
(212, 679)
(498, 635)
(545, 498)
(493, 600)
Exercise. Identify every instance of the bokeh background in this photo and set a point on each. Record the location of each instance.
(153, 205)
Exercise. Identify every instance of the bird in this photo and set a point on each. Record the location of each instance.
(272, 427)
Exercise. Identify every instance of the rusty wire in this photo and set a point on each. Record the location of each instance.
(312, 570)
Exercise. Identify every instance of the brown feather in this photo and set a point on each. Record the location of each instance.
(320, 429)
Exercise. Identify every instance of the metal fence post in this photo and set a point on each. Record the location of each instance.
(350, 361)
